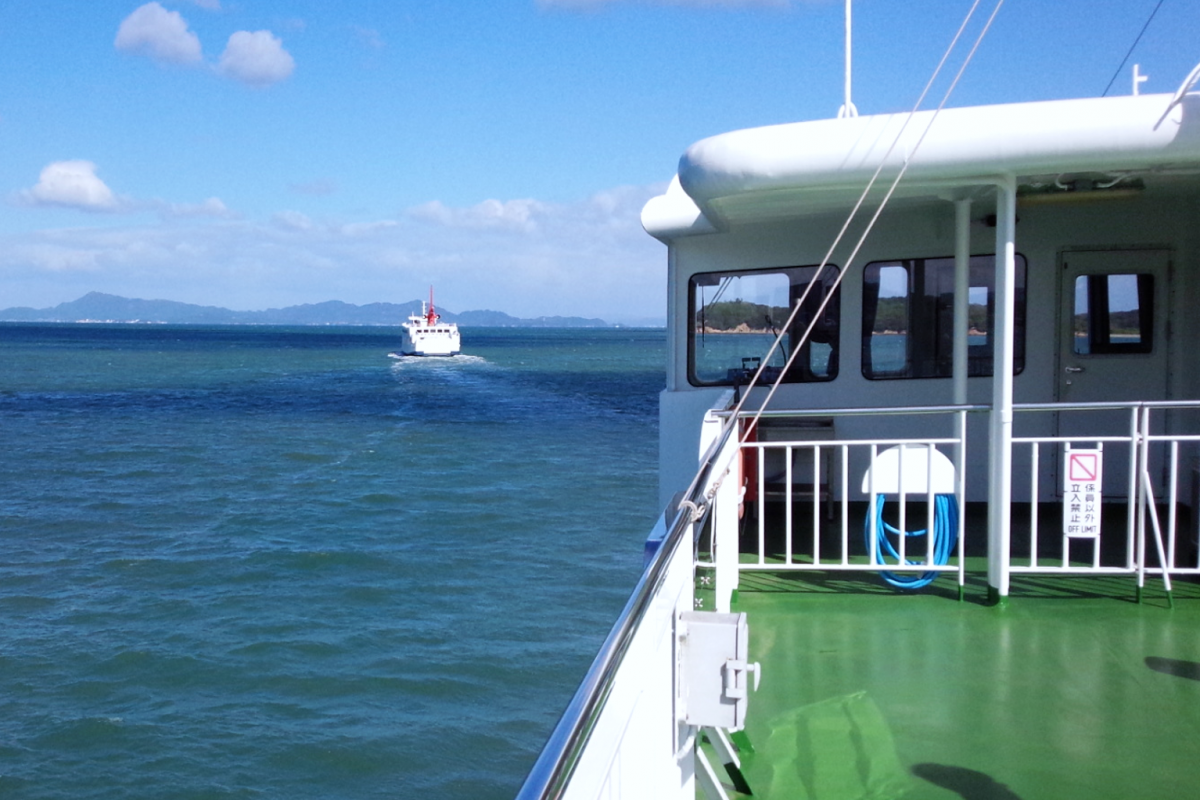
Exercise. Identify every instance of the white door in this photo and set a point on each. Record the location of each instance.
(1112, 344)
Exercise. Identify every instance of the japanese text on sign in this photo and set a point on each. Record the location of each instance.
(1082, 478)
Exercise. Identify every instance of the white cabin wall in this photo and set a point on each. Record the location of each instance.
(1186, 284)
(927, 230)
(1143, 222)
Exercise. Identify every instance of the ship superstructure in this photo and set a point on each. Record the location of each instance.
(426, 335)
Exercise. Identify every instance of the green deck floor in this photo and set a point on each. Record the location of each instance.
(1071, 690)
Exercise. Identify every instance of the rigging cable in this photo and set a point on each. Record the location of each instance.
(858, 205)
(946, 521)
(1121, 66)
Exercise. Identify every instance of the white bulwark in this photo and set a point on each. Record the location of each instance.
(1082, 479)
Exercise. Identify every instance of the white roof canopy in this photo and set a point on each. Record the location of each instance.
(788, 169)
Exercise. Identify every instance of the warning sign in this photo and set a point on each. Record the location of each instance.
(1082, 479)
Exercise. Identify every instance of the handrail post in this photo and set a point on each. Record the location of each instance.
(725, 526)
(1135, 520)
(1000, 465)
(961, 490)
(1147, 506)
(962, 297)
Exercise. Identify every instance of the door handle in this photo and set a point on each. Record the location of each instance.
(1074, 369)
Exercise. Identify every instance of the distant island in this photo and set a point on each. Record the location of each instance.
(100, 307)
(739, 316)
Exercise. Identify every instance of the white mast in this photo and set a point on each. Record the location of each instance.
(847, 109)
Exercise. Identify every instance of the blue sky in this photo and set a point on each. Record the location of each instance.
(262, 153)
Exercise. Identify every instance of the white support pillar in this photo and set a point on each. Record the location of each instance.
(673, 325)
(1001, 422)
(962, 289)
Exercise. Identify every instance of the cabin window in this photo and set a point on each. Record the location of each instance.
(1113, 314)
(908, 318)
(735, 316)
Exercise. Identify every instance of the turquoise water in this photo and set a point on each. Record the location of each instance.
(268, 562)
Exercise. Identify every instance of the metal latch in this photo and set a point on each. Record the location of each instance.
(735, 689)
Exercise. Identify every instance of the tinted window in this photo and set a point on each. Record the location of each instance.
(1114, 314)
(735, 316)
(908, 318)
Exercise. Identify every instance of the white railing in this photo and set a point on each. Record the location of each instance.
(816, 467)
(1035, 559)
(1150, 475)
(795, 494)
(1172, 443)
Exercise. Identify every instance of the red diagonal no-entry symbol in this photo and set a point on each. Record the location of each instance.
(1083, 467)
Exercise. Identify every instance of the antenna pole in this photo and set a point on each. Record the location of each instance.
(848, 109)
(1138, 79)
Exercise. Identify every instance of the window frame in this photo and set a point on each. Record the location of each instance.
(933, 317)
(829, 330)
(1099, 328)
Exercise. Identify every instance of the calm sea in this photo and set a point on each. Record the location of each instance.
(276, 563)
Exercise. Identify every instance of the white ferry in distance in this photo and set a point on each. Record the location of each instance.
(424, 336)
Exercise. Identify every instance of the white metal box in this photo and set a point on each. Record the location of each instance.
(713, 669)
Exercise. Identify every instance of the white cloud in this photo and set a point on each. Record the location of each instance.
(513, 214)
(256, 58)
(298, 222)
(72, 184)
(162, 35)
(528, 258)
(212, 207)
(57, 258)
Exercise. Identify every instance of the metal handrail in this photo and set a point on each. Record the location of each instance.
(852, 412)
(944, 409)
(550, 774)
(1118, 405)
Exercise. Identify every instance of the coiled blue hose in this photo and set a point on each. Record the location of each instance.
(945, 536)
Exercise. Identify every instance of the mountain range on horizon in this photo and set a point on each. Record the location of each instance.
(100, 307)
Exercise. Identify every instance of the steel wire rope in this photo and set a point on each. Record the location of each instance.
(879, 211)
(776, 344)
(945, 524)
(946, 508)
(1141, 33)
(553, 783)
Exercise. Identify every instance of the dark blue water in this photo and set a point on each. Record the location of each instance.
(268, 562)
